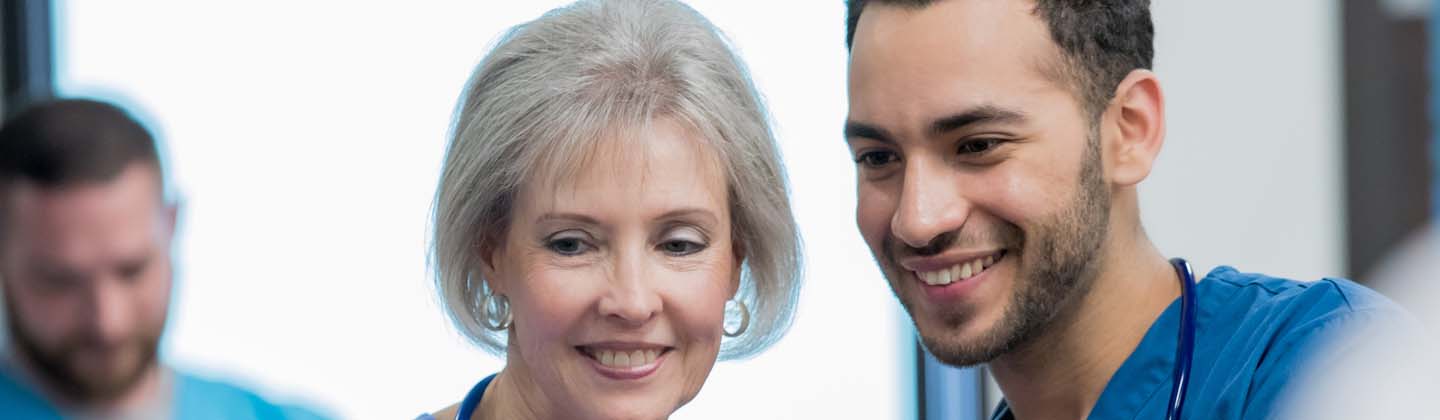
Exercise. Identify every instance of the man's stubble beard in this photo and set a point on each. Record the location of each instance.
(1057, 263)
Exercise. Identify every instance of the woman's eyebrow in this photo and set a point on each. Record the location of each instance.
(704, 215)
(566, 217)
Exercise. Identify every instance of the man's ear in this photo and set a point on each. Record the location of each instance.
(1137, 116)
(171, 218)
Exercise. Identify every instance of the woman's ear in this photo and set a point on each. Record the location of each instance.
(739, 256)
(489, 271)
(1138, 123)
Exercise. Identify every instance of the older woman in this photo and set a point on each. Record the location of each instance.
(612, 215)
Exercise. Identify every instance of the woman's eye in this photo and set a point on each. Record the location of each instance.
(567, 246)
(681, 247)
(977, 147)
(876, 158)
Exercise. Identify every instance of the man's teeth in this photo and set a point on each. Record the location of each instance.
(956, 272)
(624, 359)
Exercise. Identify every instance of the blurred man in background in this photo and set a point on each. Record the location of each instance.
(86, 274)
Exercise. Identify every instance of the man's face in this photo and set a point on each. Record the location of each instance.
(86, 272)
(981, 190)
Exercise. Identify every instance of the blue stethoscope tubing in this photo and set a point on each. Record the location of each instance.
(1185, 351)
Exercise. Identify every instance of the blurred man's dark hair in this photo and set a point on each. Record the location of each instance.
(71, 141)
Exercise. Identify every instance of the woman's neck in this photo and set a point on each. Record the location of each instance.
(514, 395)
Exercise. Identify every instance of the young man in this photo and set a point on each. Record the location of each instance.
(998, 146)
(85, 272)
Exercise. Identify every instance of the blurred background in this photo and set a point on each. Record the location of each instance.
(304, 141)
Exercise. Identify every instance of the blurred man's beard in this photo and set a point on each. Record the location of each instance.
(58, 367)
(1057, 261)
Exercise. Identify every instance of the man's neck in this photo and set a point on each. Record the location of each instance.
(1061, 373)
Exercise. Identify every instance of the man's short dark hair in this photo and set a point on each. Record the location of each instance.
(1102, 41)
(72, 141)
(68, 142)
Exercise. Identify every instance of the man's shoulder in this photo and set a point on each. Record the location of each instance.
(20, 401)
(203, 397)
(1283, 323)
(1265, 331)
(1291, 304)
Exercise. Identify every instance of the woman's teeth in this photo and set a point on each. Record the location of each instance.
(958, 272)
(624, 359)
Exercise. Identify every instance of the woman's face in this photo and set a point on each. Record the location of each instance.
(618, 278)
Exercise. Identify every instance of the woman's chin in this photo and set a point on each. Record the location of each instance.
(637, 408)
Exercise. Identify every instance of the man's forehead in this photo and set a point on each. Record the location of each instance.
(86, 222)
(954, 25)
(949, 57)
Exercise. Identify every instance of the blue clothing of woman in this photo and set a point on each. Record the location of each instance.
(471, 402)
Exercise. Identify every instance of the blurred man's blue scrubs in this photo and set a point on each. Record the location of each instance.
(190, 398)
(1254, 335)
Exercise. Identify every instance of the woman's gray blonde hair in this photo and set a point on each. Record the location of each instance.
(537, 104)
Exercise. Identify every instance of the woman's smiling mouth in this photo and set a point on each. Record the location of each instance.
(625, 362)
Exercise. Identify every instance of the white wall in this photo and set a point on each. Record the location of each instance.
(1251, 173)
(305, 140)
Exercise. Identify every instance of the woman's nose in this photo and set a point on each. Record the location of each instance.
(631, 298)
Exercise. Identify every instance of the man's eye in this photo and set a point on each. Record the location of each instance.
(131, 272)
(567, 246)
(681, 247)
(876, 158)
(977, 147)
(59, 284)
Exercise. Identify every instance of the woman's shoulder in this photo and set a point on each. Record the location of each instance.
(472, 399)
(446, 413)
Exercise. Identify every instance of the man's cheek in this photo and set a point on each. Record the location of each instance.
(873, 218)
(45, 318)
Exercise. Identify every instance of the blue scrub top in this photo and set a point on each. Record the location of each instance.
(1254, 335)
(194, 398)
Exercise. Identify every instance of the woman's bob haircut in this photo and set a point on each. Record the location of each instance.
(539, 103)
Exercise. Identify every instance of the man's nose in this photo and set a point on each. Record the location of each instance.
(110, 310)
(932, 203)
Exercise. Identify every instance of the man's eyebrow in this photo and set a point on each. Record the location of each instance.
(856, 129)
(982, 114)
(49, 268)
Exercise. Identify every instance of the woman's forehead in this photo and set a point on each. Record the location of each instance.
(658, 165)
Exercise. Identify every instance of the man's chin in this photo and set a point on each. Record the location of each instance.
(961, 353)
(960, 340)
(93, 380)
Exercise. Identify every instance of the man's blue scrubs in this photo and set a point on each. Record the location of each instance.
(192, 398)
(1254, 334)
